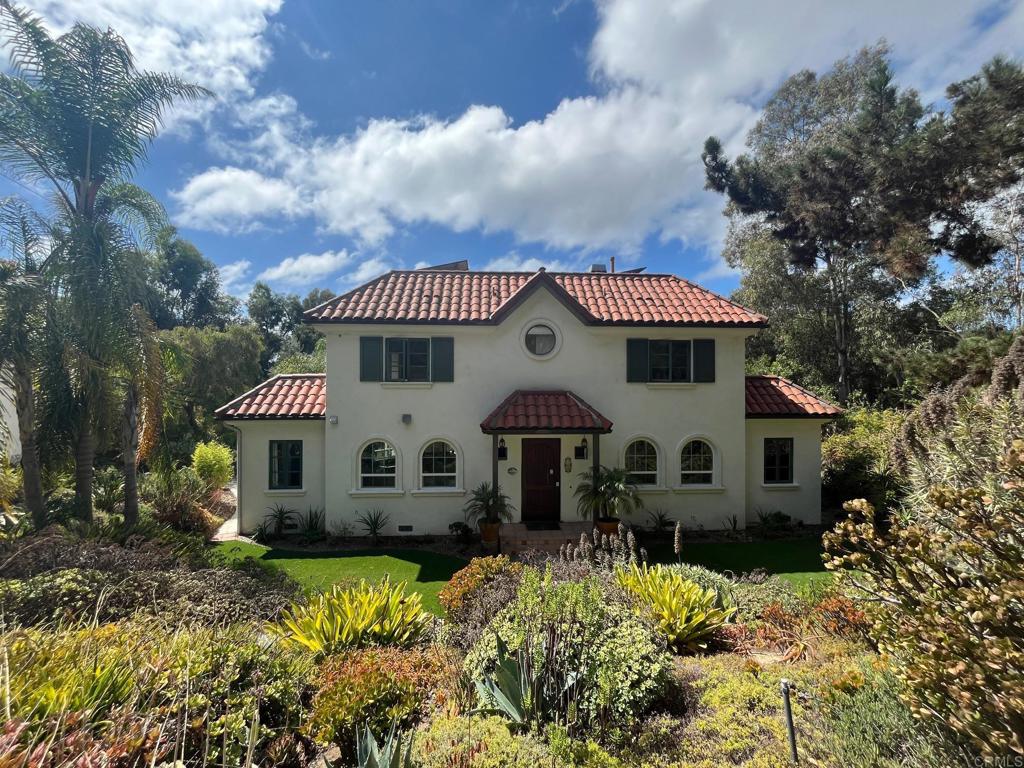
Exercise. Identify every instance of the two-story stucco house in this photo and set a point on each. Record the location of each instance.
(441, 378)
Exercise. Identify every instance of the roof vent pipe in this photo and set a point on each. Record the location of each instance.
(598, 268)
(611, 263)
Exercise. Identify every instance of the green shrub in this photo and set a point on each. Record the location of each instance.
(708, 579)
(686, 613)
(178, 497)
(618, 659)
(946, 576)
(375, 688)
(866, 724)
(355, 617)
(855, 459)
(107, 691)
(214, 463)
(108, 489)
(753, 596)
(477, 742)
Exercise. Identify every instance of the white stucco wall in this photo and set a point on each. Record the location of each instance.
(253, 468)
(489, 364)
(802, 499)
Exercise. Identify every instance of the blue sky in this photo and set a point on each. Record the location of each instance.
(348, 138)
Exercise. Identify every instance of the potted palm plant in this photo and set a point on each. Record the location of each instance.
(604, 494)
(489, 507)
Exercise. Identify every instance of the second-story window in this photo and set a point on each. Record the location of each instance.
(669, 360)
(407, 360)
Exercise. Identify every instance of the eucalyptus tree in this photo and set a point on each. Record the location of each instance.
(77, 116)
(22, 315)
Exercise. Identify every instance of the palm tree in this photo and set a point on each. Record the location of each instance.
(605, 494)
(76, 114)
(21, 297)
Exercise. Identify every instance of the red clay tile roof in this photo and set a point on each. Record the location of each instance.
(529, 410)
(286, 396)
(423, 296)
(775, 397)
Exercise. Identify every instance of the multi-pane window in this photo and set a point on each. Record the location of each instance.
(407, 359)
(285, 465)
(669, 360)
(642, 462)
(540, 340)
(437, 466)
(378, 467)
(697, 464)
(778, 460)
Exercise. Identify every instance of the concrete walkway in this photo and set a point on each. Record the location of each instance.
(228, 530)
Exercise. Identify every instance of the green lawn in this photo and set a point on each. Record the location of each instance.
(426, 572)
(798, 561)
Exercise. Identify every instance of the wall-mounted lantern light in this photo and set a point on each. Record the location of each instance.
(502, 450)
(333, 419)
(581, 449)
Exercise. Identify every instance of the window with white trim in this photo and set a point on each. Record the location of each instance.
(378, 465)
(697, 463)
(438, 466)
(778, 460)
(642, 462)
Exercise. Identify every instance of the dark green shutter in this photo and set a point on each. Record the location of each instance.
(442, 358)
(704, 360)
(371, 358)
(637, 368)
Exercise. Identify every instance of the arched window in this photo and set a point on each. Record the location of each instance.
(438, 466)
(642, 462)
(697, 464)
(378, 467)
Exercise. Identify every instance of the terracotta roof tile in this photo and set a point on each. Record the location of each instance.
(479, 297)
(526, 410)
(287, 396)
(776, 397)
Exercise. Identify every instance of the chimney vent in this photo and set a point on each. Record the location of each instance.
(598, 268)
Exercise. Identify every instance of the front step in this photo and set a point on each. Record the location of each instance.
(516, 537)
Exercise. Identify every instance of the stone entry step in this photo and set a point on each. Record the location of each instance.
(516, 537)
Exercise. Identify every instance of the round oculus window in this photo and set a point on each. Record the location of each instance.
(540, 340)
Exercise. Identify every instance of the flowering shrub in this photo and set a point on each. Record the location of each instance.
(947, 575)
(467, 581)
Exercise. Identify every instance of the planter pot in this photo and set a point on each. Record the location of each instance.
(608, 525)
(489, 533)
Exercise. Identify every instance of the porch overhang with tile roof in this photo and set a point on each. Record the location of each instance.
(546, 412)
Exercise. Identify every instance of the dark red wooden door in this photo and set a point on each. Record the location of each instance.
(541, 492)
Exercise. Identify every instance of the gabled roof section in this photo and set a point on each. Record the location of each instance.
(545, 411)
(447, 297)
(773, 397)
(286, 396)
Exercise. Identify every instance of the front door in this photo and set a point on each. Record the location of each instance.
(541, 491)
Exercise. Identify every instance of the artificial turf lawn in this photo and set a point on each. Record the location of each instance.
(425, 572)
(796, 560)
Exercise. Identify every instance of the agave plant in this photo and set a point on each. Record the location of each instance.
(390, 754)
(355, 617)
(685, 612)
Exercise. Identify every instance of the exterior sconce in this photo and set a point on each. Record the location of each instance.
(502, 450)
(567, 464)
(407, 418)
(333, 419)
(581, 449)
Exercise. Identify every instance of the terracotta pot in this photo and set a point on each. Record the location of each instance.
(489, 532)
(608, 526)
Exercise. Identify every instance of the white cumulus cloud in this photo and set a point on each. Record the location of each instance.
(601, 171)
(307, 268)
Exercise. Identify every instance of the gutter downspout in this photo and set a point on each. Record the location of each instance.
(238, 473)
